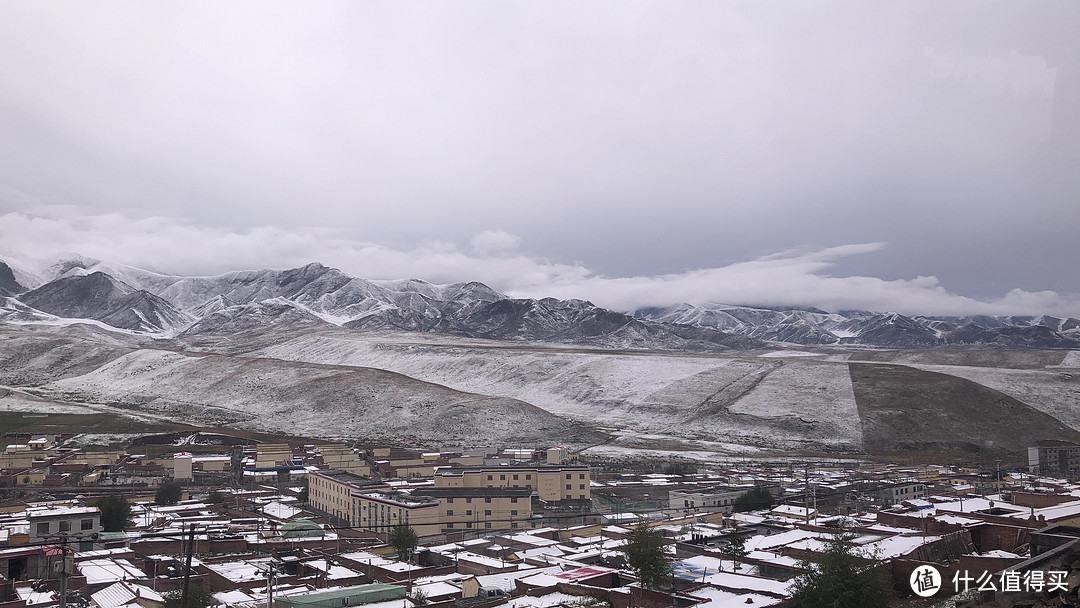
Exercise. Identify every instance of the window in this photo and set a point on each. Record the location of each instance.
(515, 477)
(490, 477)
(502, 477)
(43, 528)
(513, 512)
(450, 501)
(569, 476)
(513, 525)
(468, 512)
(528, 477)
(487, 511)
(581, 487)
(468, 500)
(513, 499)
(582, 497)
(487, 499)
(450, 526)
(65, 526)
(449, 511)
(87, 524)
(468, 524)
(487, 524)
(568, 486)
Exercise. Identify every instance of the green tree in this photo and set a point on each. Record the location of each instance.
(755, 500)
(303, 495)
(737, 549)
(402, 538)
(646, 557)
(215, 497)
(198, 597)
(842, 577)
(115, 511)
(168, 493)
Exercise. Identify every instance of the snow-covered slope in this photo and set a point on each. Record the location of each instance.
(888, 330)
(100, 297)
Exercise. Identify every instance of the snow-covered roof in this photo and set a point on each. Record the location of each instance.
(122, 593)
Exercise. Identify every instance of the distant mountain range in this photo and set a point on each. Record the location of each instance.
(142, 301)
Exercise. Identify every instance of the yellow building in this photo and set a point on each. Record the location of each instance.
(552, 484)
(440, 510)
(332, 492)
(380, 511)
(269, 455)
(341, 457)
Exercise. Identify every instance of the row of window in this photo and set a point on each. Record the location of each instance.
(450, 500)
(65, 526)
(450, 512)
(528, 477)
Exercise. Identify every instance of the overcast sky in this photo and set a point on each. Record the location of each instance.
(910, 156)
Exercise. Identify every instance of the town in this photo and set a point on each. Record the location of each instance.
(202, 519)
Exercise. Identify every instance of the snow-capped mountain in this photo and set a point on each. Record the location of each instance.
(144, 301)
(889, 330)
(100, 297)
(9, 286)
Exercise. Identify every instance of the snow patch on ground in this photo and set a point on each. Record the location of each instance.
(1072, 359)
(604, 389)
(16, 402)
(1055, 392)
(817, 394)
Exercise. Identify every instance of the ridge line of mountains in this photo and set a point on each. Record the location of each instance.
(141, 301)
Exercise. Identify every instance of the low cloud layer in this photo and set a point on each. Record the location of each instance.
(502, 260)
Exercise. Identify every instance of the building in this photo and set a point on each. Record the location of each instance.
(49, 523)
(340, 457)
(480, 508)
(1054, 457)
(895, 493)
(332, 492)
(379, 511)
(551, 483)
(345, 596)
(718, 498)
(182, 466)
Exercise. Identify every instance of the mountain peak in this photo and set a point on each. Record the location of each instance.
(8, 285)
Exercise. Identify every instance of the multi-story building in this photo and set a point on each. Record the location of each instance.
(551, 483)
(894, 493)
(378, 511)
(332, 492)
(440, 510)
(1054, 457)
(48, 523)
(481, 508)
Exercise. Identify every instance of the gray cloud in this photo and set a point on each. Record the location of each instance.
(630, 139)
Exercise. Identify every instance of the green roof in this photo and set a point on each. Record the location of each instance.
(301, 528)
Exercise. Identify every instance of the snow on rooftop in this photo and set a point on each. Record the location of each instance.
(718, 598)
(98, 571)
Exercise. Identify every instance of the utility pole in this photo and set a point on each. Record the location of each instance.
(64, 570)
(806, 494)
(187, 566)
(269, 572)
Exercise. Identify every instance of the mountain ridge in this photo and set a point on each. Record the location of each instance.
(139, 300)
